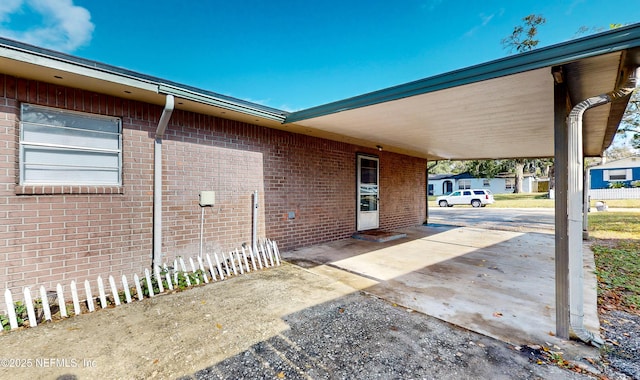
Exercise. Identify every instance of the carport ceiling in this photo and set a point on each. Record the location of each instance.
(501, 109)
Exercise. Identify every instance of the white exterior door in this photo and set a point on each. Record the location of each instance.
(368, 193)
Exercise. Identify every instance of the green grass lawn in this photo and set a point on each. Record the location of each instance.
(534, 200)
(614, 225)
(616, 250)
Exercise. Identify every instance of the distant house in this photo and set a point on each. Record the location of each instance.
(623, 171)
(440, 184)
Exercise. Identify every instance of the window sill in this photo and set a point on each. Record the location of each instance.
(67, 189)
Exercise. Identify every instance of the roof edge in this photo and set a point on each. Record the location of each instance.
(169, 87)
(201, 96)
(562, 53)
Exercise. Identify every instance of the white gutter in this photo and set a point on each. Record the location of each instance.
(575, 199)
(157, 181)
(222, 101)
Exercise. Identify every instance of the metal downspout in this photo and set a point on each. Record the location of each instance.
(575, 200)
(254, 224)
(157, 181)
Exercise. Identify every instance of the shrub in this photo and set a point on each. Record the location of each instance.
(617, 185)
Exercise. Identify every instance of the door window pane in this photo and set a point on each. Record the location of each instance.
(368, 171)
(368, 184)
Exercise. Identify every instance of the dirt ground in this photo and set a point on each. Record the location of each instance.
(284, 323)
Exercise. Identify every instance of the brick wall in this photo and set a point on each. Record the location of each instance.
(306, 188)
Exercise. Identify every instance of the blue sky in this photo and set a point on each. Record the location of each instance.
(295, 54)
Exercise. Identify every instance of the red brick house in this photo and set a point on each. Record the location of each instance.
(102, 168)
(81, 143)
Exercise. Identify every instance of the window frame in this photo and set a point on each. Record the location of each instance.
(62, 148)
(509, 183)
(464, 184)
(615, 175)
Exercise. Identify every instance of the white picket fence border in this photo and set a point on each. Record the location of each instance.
(622, 193)
(237, 263)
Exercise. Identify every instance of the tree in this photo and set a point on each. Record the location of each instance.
(446, 167)
(528, 42)
(618, 152)
(485, 168)
(522, 39)
(630, 123)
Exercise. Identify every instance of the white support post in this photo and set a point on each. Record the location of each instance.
(574, 219)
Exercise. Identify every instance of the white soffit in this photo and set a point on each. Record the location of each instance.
(504, 117)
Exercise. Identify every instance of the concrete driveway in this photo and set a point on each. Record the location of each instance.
(511, 219)
(499, 283)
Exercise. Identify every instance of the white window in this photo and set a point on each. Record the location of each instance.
(464, 184)
(618, 175)
(70, 148)
(509, 183)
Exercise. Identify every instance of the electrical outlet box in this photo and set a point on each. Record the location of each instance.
(207, 198)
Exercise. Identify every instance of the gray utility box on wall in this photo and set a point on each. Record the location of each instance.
(207, 198)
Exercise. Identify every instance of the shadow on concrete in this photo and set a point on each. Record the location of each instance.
(494, 282)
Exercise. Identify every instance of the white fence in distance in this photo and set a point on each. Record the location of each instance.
(234, 263)
(622, 193)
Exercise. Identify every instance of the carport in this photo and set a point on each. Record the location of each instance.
(563, 101)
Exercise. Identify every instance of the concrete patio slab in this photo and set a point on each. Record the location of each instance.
(498, 283)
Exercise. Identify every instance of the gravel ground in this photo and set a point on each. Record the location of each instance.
(621, 331)
(281, 323)
(363, 337)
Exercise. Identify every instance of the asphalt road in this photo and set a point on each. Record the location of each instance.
(511, 219)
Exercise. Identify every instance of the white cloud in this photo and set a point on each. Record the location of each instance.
(431, 5)
(486, 19)
(7, 7)
(64, 26)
